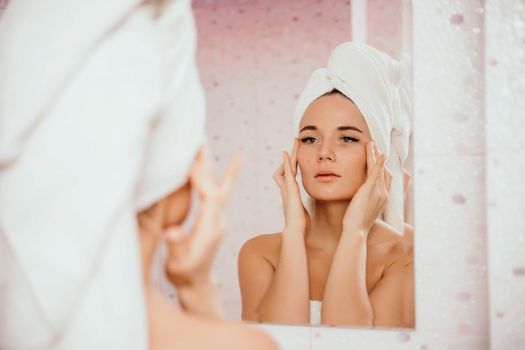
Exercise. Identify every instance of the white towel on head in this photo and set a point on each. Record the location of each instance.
(101, 115)
(380, 88)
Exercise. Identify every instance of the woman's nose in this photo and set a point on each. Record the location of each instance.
(322, 157)
(325, 154)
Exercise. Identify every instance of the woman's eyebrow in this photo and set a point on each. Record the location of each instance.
(309, 127)
(349, 128)
(342, 128)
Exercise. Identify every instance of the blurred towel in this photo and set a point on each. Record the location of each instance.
(101, 115)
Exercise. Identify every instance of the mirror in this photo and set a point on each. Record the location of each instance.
(255, 59)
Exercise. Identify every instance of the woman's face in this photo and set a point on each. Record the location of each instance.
(332, 148)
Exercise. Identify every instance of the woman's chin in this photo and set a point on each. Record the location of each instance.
(329, 196)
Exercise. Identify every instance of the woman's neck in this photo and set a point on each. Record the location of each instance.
(326, 223)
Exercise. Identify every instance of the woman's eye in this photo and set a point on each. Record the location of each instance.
(308, 140)
(349, 139)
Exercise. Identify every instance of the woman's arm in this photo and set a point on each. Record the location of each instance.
(347, 302)
(190, 256)
(392, 298)
(345, 299)
(280, 295)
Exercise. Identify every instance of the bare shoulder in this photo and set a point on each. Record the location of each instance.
(186, 333)
(396, 247)
(264, 245)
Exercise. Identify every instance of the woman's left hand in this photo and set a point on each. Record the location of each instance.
(372, 196)
(191, 255)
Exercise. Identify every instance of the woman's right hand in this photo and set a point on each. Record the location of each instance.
(191, 256)
(296, 217)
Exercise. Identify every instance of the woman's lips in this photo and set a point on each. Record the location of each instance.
(326, 176)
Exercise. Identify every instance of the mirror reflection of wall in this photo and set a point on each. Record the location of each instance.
(255, 58)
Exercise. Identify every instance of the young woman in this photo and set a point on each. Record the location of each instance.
(342, 264)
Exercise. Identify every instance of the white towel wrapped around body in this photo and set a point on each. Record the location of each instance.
(101, 115)
(380, 88)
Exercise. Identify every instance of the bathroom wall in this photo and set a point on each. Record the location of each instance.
(505, 166)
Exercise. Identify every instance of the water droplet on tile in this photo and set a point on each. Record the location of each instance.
(518, 271)
(403, 337)
(456, 19)
(463, 327)
(458, 199)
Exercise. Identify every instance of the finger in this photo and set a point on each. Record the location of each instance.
(388, 179)
(370, 157)
(381, 181)
(383, 175)
(288, 175)
(206, 156)
(293, 158)
(231, 174)
(377, 151)
(210, 230)
(174, 237)
(376, 171)
(206, 164)
(406, 179)
(202, 177)
(278, 176)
